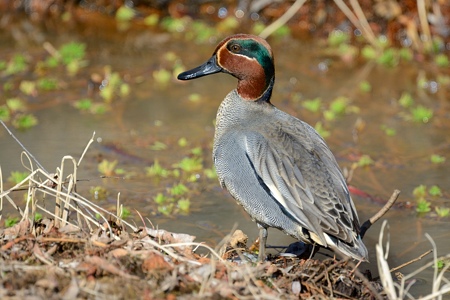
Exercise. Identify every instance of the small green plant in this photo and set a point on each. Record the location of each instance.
(437, 159)
(125, 213)
(423, 206)
(442, 60)
(17, 177)
(16, 65)
(338, 37)
(365, 161)
(406, 100)
(421, 114)
(107, 168)
(435, 191)
(388, 130)
(178, 190)
(157, 146)
(151, 20)
(24, 121)
(442, 212)
(210, 173)
(37, 217)
(190, 164)
(184, 205)
(11, 221)
(364, 86)
(157, 170)
(312, 105)
(420, 191)
(125, 14)
(182, 142)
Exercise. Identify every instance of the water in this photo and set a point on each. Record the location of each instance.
(156, 113)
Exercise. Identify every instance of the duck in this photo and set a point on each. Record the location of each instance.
(276, 166)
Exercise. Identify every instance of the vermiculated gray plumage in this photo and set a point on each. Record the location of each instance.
(284, 175)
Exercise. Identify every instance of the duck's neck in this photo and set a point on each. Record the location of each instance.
(254, 89)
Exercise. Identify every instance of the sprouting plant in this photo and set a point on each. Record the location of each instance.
(158, 146)
(190, 164)
(162, 76)
(4, 113)
(37, 217)
(388, 130)
(151, 20)
(423, 206)
(442, 212)
(125, 13)
(107, 167)
(338, 37)
(184, 205)
(365, 161)
(421, 114)
(125, 212)
(442, 60)
(16, 65)
(24, 121)
(210, 173)
(11, 221)
(28, 87)
(178, 190)
(312, 105)
(17, 176)
(365, 86)
(157, 170)
(437, 159)
(435, 191)
(420, 191)
(160, 198)
(406, 100)
(182, 142)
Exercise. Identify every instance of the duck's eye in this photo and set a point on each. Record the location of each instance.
(235, 48)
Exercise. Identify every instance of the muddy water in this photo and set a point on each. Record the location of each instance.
(163, 113)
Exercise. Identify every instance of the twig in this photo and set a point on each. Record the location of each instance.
(379, 214)
(411, 261)
(283, 19)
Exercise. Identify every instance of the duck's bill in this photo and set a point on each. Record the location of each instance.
(209, 67)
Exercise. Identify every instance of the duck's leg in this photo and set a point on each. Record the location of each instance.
(262, 243)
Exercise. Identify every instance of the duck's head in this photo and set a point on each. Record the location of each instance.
(248, 58)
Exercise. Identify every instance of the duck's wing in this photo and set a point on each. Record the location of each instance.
(301, 173)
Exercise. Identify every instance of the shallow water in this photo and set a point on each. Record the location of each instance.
(163, 113)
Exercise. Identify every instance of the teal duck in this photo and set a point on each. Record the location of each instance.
(276, 166)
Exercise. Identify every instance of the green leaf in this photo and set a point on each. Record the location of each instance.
(72, 51)
(420, 191)
(437, 159)
(421, 114)
(312, 105)
(24, 121)
(435, 191)
(17, 176)
(406, 100)
(124, 13)
(423, 206)
(365, 161)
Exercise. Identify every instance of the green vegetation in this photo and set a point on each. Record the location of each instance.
(422, 195)
(107, 168)
(11, 221)
(437, 159)
(17, 177)
(365, 161)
